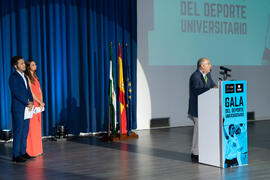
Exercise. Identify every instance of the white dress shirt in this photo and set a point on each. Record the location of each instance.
(22, 74)
(203, 74)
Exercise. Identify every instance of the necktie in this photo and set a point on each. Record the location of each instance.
(205, 78)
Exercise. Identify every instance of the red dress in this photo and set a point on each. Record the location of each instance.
(34, 139)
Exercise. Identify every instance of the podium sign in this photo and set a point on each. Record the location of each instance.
(234, 123)
(222, 125)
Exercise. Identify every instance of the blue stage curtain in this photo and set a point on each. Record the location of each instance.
(69, 40)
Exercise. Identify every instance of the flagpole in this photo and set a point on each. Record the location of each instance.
(109, 111)
(109, 124)
(128, 100)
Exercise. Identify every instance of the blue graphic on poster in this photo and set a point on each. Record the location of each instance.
(234, 111)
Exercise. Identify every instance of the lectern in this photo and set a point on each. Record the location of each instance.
(222, 125)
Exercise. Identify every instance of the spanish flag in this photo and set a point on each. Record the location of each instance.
(121, 95)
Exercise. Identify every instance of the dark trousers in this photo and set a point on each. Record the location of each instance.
(20, 133)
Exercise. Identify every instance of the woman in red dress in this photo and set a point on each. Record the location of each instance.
(34, 139)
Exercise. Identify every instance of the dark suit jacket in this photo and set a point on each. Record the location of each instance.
(20, 95)
(197, 86)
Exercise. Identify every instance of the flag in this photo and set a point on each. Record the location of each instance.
(121, 95)
(128, 90)
(112, 95)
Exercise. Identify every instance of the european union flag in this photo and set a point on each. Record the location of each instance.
(128, 89)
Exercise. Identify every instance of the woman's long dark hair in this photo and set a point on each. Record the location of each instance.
(28, 73)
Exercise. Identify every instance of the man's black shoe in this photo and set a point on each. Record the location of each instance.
(194, 158)
(26, 156)
(18, 159)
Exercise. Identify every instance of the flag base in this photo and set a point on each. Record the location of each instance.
(132, 135)
(119, 137)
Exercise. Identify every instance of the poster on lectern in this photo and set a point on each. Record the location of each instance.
(234, 112)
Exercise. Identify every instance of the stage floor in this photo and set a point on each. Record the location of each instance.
(157, 154)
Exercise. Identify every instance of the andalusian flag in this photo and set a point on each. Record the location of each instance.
(112, 94)
(121, 94)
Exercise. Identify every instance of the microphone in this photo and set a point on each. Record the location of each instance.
(225, 69)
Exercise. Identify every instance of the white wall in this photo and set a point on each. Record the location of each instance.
(163, 90)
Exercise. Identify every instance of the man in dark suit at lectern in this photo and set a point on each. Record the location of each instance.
(200, 81)
(21, 98)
